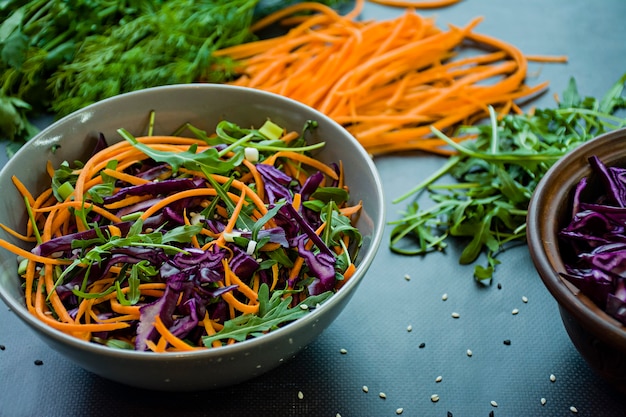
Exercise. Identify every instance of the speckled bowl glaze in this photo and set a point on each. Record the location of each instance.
(202, 105)
(600, 339)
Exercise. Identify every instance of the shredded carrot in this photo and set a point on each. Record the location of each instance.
(547, 58)
(171, 339)
(348, 274)
(210, 329)
(131, 179)
(387, 82)
(23, 190)
(304, 159)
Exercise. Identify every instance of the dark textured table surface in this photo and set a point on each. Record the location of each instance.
(381, 354)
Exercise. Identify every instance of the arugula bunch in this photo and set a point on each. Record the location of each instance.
(495, 176)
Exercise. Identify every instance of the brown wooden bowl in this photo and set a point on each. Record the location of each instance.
(600, 339)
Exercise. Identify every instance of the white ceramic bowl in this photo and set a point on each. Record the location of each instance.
(202, 105)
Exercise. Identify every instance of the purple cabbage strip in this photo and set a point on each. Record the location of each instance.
(307, 229)
(311, 185)
(321, 266)
(154, 172)
(64, 243)
(275, 234)
(596, 239)
(277, 183)
(613, 180)
(163, 307)
(155, 188)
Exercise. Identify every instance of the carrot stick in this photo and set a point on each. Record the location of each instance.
(31, 256)
(547, 58)
(171, 339)
(131, 179)
(241, 286)
(304, 159)
(210, 330)
(233, 219)
(17, 235)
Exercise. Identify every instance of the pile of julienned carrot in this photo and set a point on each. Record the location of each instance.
(387, 81)
(179, 243)
(428, 4)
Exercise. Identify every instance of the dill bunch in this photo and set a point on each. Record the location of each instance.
(173, 45)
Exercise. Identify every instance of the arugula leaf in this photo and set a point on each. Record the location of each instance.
(495, 175)
(326, 194)
(258, 225)
(141, 271)
(96, 249)
(244, 221)
(339, 225)
(209, 161)
(273, 313)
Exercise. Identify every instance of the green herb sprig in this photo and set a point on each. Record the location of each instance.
(273, 312)
(495, 175)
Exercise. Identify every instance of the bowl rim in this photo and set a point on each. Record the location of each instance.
(346, 291)
(542, 223)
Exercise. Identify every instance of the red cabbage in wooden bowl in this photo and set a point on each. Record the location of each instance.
(568, 237)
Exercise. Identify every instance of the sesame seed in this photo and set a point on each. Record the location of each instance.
(507, 342)
(515, 311)
(304, 306)
(455, 315)
(343, 351)
(38, 362)
(409, 328)
(552, 378)
(434, 398)
(382, 395)
(524, 299)
(337, 415)
(407, 277)
(399, 411)
(2, 347)
(365, 388)
(422, 345)
(444, 297)
(493, 404)
(450, 414)
(439, 378)
(543, 401)
(573, 409)
(469, 352)
(491, 414)
(300, 395)
(499, 286)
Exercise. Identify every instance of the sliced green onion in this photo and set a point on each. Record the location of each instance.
(271, 130)
(65, 190)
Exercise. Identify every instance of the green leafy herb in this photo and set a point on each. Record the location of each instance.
(273, 313)
(95, 250)
(228, 132)
(59, 55)
(14, 124)
(495, 176)
(209, 161)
